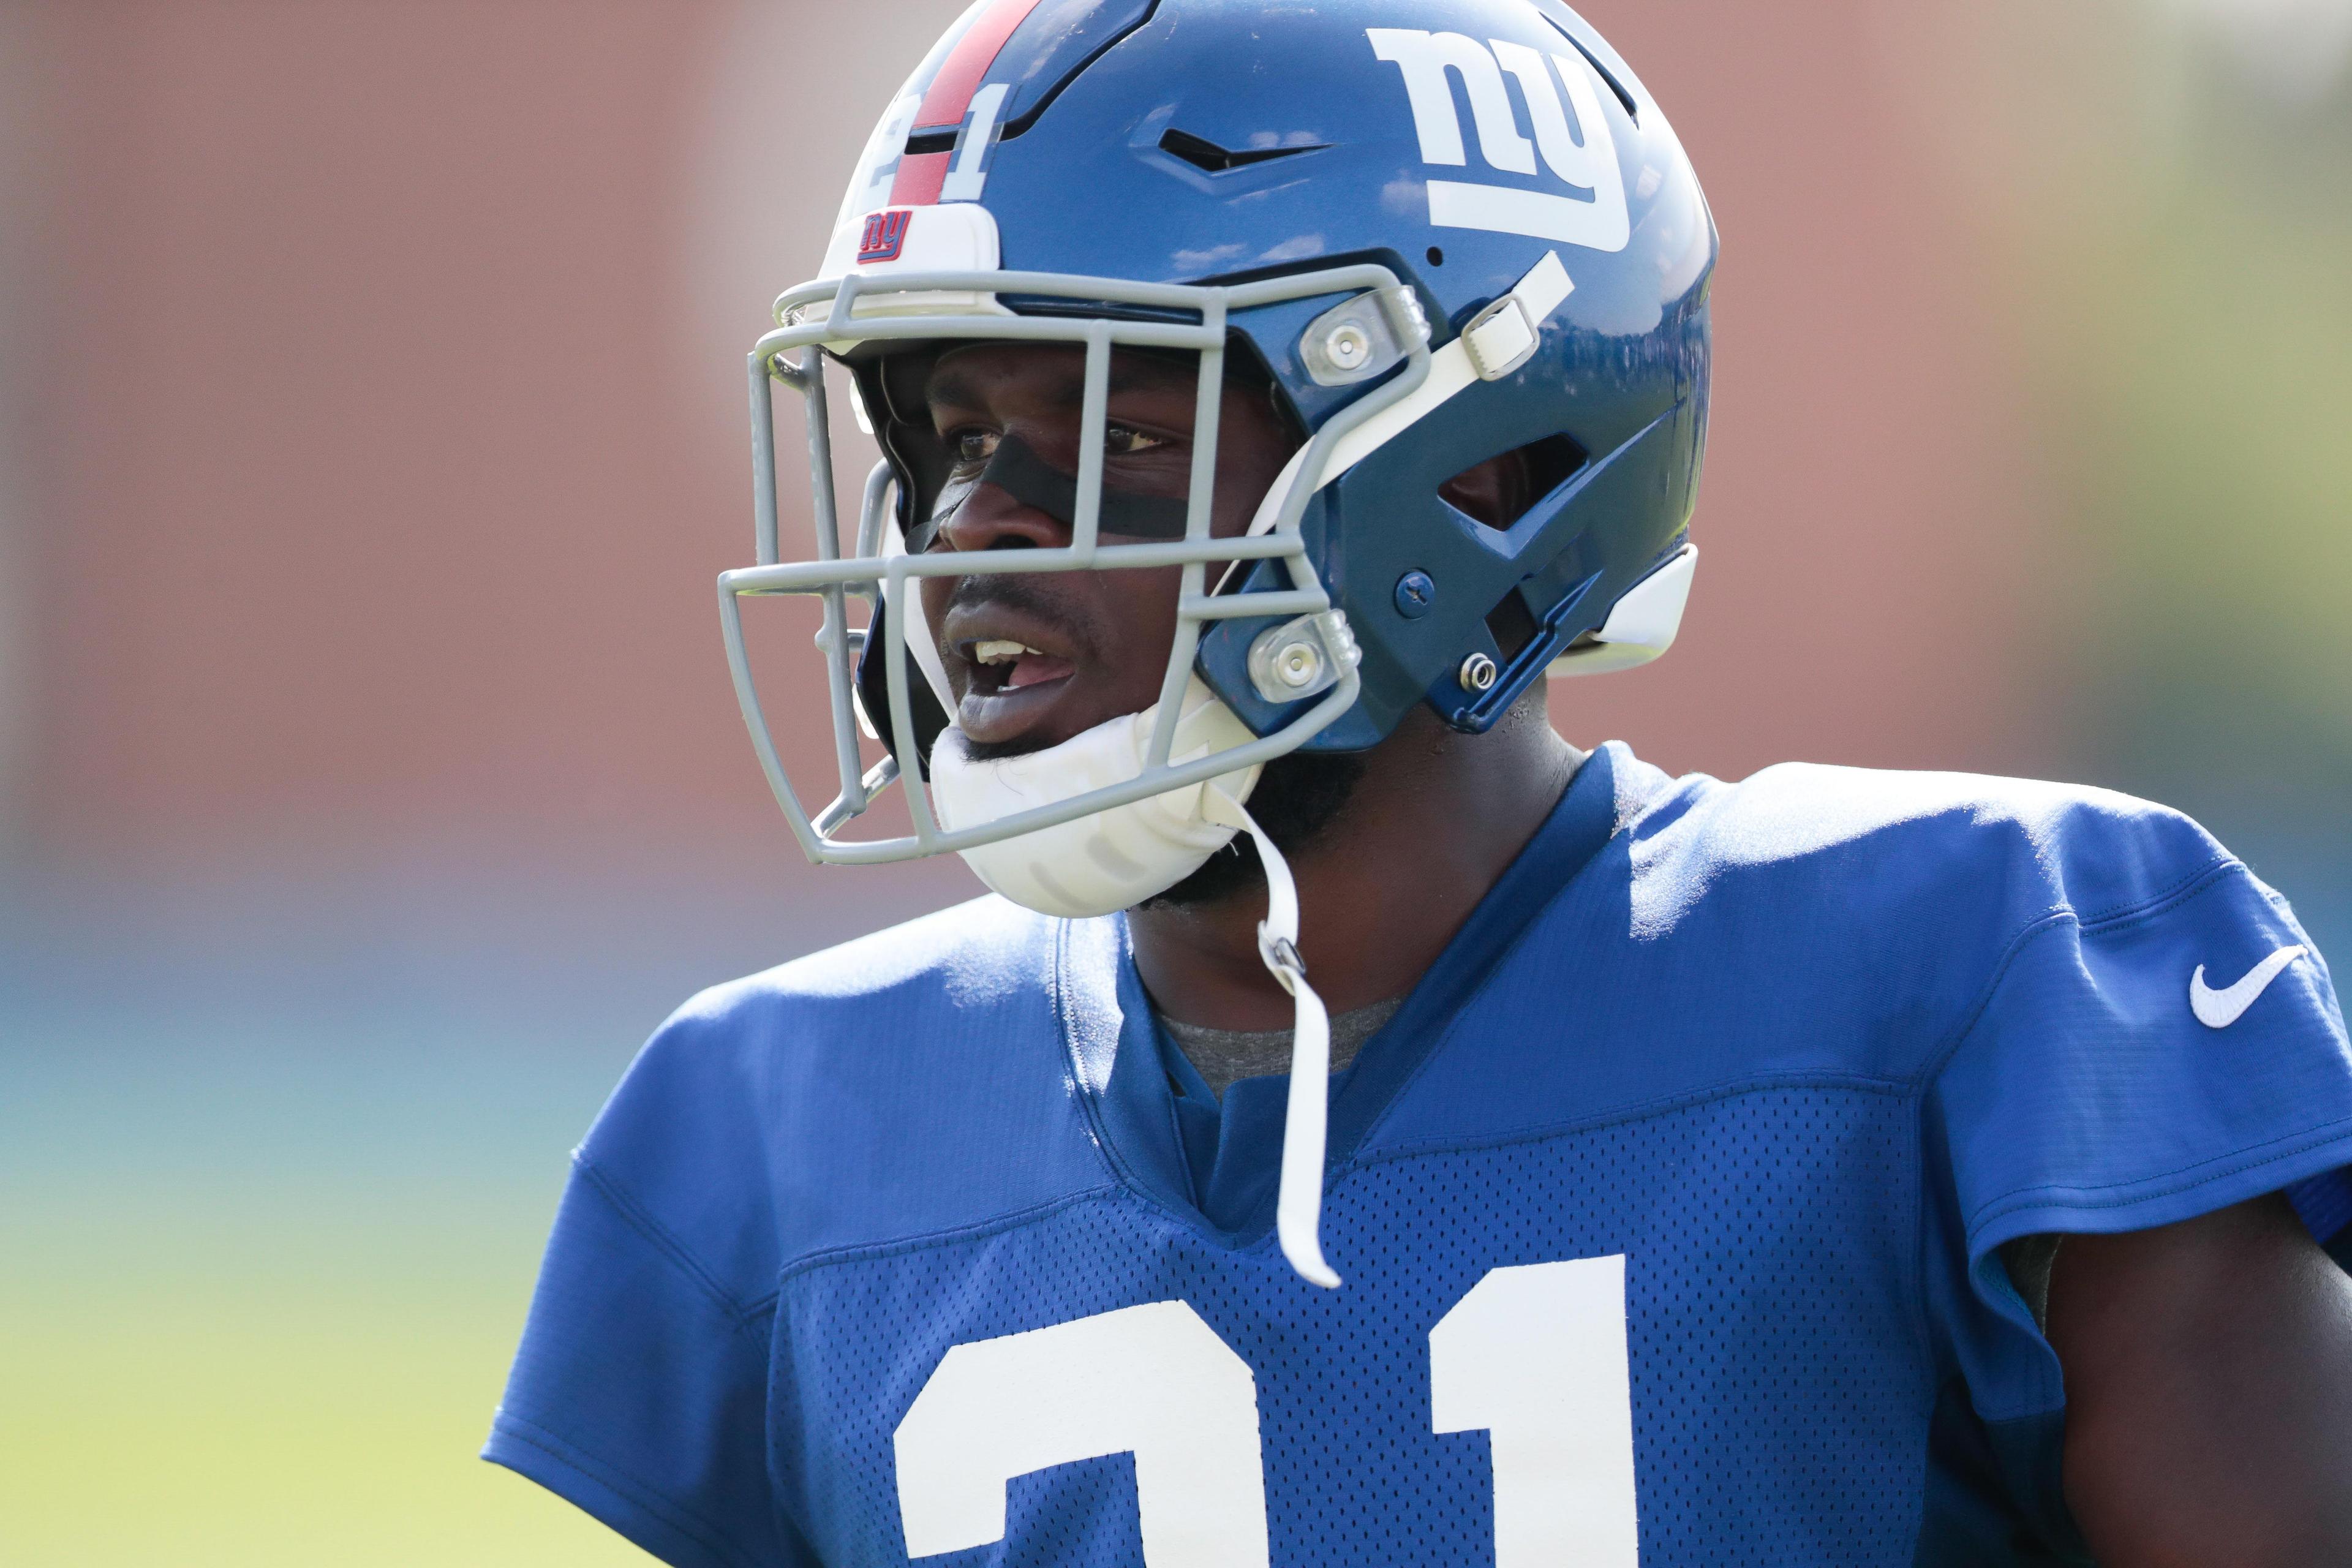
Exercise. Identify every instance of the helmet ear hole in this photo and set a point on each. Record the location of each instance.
(1512, 625)
(1500, 491)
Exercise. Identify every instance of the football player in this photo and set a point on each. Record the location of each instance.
(1363, 1128)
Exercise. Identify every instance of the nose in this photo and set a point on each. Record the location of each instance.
(990, 519)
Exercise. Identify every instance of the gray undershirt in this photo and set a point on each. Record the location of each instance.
(2029, 1260)
(1224, 1056)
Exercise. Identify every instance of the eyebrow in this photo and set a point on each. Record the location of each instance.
(952, 388)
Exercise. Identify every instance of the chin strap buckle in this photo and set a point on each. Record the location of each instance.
(1280, 955)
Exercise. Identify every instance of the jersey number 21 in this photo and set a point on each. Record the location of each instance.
(1533, 1356)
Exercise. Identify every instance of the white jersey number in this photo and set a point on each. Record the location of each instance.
(1534, 1356)
(1152, 1381)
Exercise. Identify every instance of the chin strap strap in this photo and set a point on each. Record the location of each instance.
(1298, 1204)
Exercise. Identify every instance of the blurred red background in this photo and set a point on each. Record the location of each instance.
(385, 427)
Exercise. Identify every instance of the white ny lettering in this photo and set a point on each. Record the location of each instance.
(1574, 138)
(1424, 58)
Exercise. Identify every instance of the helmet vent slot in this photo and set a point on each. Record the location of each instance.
(1071, 36)
(1500, 491)
(1606, 75)
(1203, 153)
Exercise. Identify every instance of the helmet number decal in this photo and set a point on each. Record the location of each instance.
(969, 175)
(1577, 147)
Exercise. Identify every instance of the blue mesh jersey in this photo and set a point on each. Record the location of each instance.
(1667, 1206)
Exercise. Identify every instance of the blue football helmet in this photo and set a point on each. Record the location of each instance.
(1444, 230)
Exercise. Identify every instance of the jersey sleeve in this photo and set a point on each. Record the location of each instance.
(2094, 1092)
(639, 1391)
(2090, 1092)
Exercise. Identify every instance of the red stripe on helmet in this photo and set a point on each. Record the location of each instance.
(967, 64)
(919, 179)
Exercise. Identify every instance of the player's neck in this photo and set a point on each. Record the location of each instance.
(1436, 819)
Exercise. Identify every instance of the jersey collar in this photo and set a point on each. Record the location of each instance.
(1121, 1065)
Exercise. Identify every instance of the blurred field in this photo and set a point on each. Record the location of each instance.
(273, 1191)
(259, 1295)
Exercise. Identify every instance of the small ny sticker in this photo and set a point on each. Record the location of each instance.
(886, 236)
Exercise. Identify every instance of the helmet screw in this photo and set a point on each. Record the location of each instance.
(1348, 346)
(1478, 673)
(1416, 593)
(1300, 665)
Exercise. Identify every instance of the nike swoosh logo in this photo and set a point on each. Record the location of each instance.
(2220, 1009)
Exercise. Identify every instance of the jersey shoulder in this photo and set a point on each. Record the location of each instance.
(907, 1082)
(1830, 920)
(1816, 927)
(1866, 849)
(925, 986)
(956, 954)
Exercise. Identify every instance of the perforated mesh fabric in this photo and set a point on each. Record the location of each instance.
(1780, 1383)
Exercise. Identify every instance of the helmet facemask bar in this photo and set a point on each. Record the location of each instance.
(793, 355)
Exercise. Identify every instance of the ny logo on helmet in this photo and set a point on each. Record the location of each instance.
(885, 236)
(1574, 139)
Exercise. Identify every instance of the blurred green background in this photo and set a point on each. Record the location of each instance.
(235, 1328)
(370, 432)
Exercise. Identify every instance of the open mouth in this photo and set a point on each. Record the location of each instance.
(1014, 667)
(1001, 665)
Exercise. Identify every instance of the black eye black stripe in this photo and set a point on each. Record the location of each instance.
(1037, 484)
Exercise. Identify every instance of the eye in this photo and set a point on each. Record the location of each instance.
(973, 448)
(1120, 441)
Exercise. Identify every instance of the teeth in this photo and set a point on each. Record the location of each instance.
(999, 652)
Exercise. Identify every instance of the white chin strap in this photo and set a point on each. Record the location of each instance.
(1298, 1202)
(1117, 858)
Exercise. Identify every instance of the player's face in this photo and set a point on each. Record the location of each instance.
(1036, 659)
